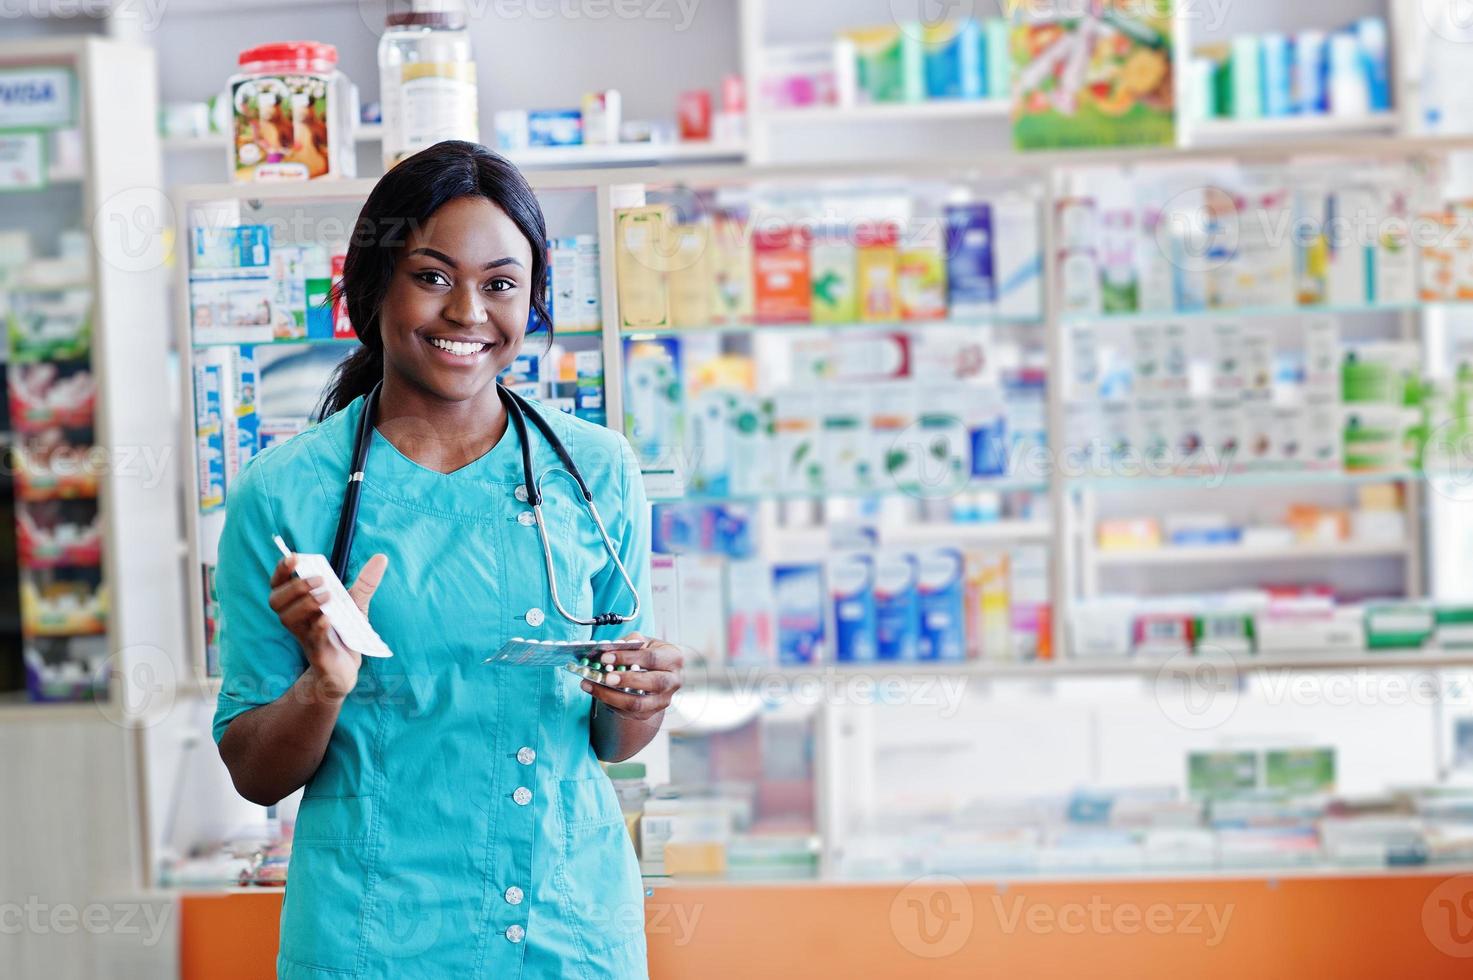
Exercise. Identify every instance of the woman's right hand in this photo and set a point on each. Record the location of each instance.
(298, 604)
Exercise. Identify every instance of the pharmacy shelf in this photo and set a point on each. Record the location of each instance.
(366, 133)
(1317, 870)
(15, 706)
(1000, 484)
(279, 342)
(1256, 312)
(798, 329)
(626, 154)
(1226, 132)
(980, 165)
(800, 543)
(1201, 554)
(758, 679)
(1245, 478)
(927, 111)
(1003, 879)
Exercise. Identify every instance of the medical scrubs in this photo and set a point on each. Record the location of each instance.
(459, 825)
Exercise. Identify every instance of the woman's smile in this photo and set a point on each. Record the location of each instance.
(460, 351)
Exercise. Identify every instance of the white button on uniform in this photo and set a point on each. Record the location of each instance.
(514, 895)
(526, 519)
(526, 756)
(522, 795)
(515, 932)
(520, 492)
(534, 616)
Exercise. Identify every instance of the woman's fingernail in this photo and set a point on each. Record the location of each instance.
(608, 658)
(586, 687)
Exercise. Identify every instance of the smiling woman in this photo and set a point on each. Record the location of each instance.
(474, 805)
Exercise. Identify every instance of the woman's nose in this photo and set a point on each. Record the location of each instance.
(465, 307)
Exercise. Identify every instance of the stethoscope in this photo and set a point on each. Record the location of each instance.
(519, 411)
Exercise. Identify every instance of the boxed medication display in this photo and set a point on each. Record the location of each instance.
(797, 431)
(897, 606)
(782, 287)
(971, 288)
(799, 600)
(833, 270)
(879, 273)
(732, 260)
(852, 583)
(921, 274)
(641, 236)
(942, 583)
(692, 280)
(1017, 258)
(653, 409)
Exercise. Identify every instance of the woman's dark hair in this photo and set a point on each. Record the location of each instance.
(401, 203)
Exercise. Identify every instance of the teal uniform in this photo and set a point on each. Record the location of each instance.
(460, 825)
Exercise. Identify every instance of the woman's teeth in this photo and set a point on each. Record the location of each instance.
(457, 347)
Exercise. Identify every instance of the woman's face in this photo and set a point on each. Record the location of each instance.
(456, 309)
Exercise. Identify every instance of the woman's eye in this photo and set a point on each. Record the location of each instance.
(501, 285)
(432, 278)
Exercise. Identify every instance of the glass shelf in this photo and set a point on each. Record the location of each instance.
(888, 326)
(1074, 319)
(292, 342)
(1000, 484)
(1244, 479)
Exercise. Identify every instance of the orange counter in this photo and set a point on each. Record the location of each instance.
(1377, 925)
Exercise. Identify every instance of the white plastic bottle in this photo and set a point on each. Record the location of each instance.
(427, 78)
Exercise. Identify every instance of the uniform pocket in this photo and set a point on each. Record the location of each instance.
(531, 609)
(327, 820)
(598, 876)
(327, 884)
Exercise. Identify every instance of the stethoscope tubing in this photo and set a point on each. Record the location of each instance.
(518, 410)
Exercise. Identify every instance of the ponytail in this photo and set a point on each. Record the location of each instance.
(354, 378)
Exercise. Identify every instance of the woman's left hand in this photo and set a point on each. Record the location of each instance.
(662, 665)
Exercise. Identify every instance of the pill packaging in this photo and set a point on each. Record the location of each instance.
(590, 669)
(580, 657)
